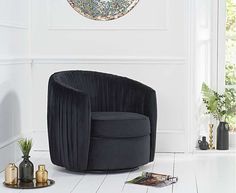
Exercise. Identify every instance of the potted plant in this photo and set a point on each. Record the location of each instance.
(221, 107)
(26, 167)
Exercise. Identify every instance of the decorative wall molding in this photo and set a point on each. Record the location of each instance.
(10, 141)
(110, 60)
(94, 60)
(14, 14)
(99, 28)
(9, 146)
(13, 25)
(172, 131)
(52, 26)
(13, 61)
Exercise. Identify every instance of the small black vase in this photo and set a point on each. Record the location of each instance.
(26, 170)
(203, 145)
(223, 136)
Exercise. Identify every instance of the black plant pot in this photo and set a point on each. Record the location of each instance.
(26, 170)
(223, 136)
(203, 145)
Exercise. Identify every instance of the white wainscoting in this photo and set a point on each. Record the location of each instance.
(13, 25)
(155, 28)
(109, 60)
(14, 14)
(166, 75)
(15, 61)
(155, 17)
(9, 153)
(15, 106)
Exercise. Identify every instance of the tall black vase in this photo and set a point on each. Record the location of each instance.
(26, 170)
(223, 136)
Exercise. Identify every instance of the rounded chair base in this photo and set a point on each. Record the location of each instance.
(114, 155)
(108, 171)
(108, 154)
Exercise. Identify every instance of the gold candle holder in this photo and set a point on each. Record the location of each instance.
(11, 174)
(41, 174)
(211, 145)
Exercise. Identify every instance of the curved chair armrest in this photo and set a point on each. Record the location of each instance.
(150, 110)
(69, 113)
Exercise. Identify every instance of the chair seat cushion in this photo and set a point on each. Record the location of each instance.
(119, 125)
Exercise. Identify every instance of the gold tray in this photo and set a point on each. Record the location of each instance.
(30, 185)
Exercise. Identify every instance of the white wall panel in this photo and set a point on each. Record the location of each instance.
(15, 77)
(13, 43)
(14, 13)
(14, 22)
(15, 107)
(56, 30)
(152, 14)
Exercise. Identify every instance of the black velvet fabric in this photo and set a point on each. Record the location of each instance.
(118, 153)
(119, 125)
(74, 96)
(69, 112)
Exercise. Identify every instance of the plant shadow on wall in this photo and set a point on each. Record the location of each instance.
(10, 117)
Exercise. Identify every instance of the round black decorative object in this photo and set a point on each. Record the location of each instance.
(223, 136)
(26, 170)
(30, 185)
(203, 145)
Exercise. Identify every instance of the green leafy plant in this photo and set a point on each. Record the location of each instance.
(220, 106)
(25, 146)
(231, 16)
(230, 67)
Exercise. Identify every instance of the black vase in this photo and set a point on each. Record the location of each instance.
(223, 136)
(203, 145)
(26, 170)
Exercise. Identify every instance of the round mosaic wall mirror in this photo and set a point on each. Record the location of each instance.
(103, 9)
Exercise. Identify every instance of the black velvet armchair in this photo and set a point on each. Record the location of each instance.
(100, 122)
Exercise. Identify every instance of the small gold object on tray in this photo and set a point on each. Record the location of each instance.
(11, 174)
(30, 185)
(153, 179)
(211, 145)
(41, 174)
